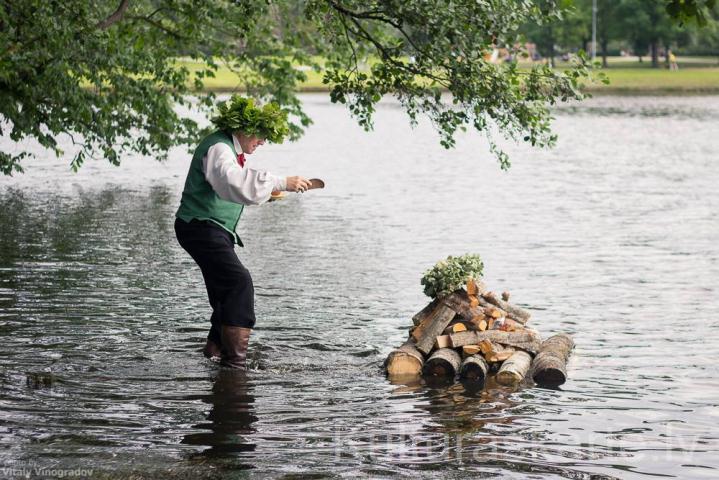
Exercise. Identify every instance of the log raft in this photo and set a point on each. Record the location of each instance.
(475, 333)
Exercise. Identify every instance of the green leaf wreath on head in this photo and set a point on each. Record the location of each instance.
(241, 114)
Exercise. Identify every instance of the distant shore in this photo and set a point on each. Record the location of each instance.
(628, 76)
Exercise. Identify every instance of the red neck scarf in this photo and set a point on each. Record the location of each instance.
(241, 159)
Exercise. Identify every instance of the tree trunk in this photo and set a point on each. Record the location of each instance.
(514, 369)
(474, 369)
(551, 47)
(444, 362)
(655, 53)
(603, 44)
(426, 333)
(550, 365)
(406, 360)
(525, 340)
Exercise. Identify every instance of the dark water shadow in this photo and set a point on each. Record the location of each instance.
(228, 431)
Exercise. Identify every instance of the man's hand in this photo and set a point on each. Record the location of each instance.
(297, 184)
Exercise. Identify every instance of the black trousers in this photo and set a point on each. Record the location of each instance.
(228, 282)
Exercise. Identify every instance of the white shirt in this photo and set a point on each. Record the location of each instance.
(234, 183)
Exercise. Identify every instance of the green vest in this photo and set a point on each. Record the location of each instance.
(199, 200)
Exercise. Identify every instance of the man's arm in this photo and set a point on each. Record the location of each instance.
(234, 183)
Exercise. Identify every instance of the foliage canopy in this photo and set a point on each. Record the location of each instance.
(107, 76)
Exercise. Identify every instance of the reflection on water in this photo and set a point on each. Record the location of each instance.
(228, 429)
(613, 237)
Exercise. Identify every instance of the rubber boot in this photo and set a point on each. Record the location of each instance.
(234, 346)
(211, 350)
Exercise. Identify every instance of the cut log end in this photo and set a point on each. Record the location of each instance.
(514, 369)
(444, 362)
(474, 369)
(550, 365)
(439, 368)
(550, 377)
(403, 364)
(404, 361)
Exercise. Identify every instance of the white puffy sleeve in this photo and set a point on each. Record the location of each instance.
(234, 183)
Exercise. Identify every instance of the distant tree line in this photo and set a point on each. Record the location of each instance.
(645, 28)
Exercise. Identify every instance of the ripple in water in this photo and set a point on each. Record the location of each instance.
(612, 237)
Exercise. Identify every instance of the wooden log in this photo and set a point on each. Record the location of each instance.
(506, 324)
(457, 326)
(478, 323)
(461, 303)
(525, 339)
(511, 325)
(514, 369)
(474, 369)
(425, 312)
(406, 360)
(444, 362)
(475, 287)
(486, 347)
(494, 312)
(442, 342)
(471, 287)
(431, 327)
(501, 355)
(494, 352)
(517, 313)
(550, 365)
(469, 350)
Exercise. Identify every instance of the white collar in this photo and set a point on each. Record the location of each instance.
(238, 147)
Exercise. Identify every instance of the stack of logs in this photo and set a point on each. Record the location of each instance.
(473, 332)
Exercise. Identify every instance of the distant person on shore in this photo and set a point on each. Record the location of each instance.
(672, 60)
(217, 188)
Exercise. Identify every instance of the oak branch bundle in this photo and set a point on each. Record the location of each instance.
(473, 332)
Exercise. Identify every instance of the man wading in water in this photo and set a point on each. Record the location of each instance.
(217, 188)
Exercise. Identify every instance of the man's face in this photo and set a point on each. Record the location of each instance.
(250, 142)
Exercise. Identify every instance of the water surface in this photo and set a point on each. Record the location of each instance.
(613, 236)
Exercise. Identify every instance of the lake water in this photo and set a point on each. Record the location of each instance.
(613, 236)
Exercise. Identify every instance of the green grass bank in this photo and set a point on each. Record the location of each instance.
(627, 76)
